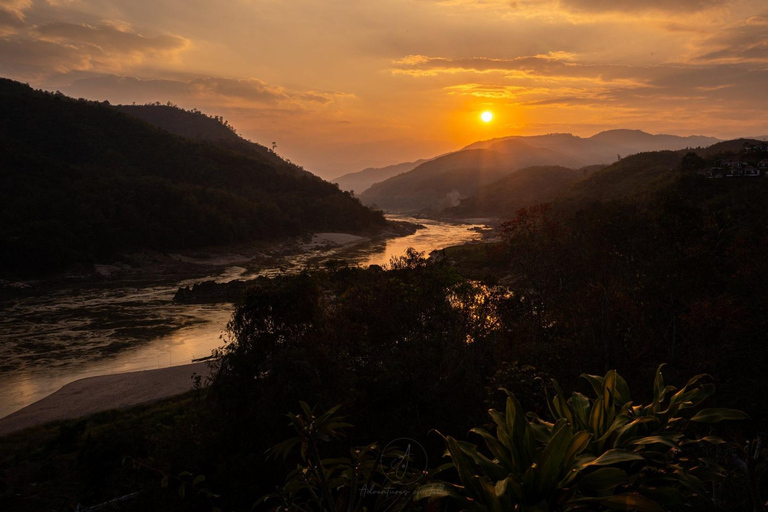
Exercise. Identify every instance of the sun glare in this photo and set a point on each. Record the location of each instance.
(486, 117)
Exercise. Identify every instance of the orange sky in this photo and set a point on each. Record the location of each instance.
(345, 84)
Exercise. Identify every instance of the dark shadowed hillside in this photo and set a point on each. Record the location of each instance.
(80, 181)
(641, 174)
(628, 177)
(199, 126)
(523, 188)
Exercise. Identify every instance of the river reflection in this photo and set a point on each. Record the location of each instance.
(50, 340)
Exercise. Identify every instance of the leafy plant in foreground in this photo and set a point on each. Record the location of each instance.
(370, 478)
(599, 453)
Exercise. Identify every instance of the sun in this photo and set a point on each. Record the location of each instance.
(486, 116)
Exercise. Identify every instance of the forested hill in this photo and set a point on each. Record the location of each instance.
(81, 182)
(526, 187)
(199, 126)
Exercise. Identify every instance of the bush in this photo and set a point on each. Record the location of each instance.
(600, 452)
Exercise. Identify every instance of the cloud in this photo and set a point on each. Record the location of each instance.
(15, 7)
(24, 58)
(202, 91)
(111, 38)
(252, 89)
(12, 15)
(30, 51)
(556, 65)
(743, 42)
(594, 6)
(714, 86)
(488, 91)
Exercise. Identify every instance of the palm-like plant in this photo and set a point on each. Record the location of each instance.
(598, 453)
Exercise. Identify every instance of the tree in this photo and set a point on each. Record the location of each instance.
(692, 162)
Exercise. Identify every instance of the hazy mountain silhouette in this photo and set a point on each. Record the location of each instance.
(604, 147)
(361, 181)
(81, 181)
(526, 187)
(444, 181)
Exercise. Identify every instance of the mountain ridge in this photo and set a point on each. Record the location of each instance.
(81, 181)
(443, 182)
(360, 181)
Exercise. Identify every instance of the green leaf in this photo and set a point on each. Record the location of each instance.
(495, 447)
(595, 381)
(715, 415)
(579, 443)
(613, 457)
(604, 479)
(632, 502)
(670, 440)
(580, 406)
(553, 457)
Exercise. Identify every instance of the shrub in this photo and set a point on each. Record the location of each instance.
(599, 452)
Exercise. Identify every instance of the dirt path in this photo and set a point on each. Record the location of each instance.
(95, 394)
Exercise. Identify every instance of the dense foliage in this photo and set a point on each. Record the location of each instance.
(600, 452)
(80, 181)
(674, 277)
(403, 351)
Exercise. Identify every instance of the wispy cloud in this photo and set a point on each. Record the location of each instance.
(34, 51)
(201, 90)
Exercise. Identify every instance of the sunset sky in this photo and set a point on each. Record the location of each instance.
(345, 84)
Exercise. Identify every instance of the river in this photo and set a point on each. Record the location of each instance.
(50, 339)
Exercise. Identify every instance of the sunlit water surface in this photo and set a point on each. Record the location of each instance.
(50, 340)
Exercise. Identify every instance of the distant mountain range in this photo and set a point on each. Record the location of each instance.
(83, 181)
(570, 189)
(443, 182)
(361, 181)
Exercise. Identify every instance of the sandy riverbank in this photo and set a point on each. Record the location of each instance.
(96, 394)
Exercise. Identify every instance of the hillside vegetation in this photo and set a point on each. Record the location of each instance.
(525, 187)
(81, 181)
(193, 124)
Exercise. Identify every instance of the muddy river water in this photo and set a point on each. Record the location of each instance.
(50, 339)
